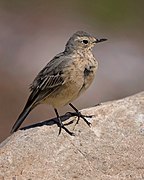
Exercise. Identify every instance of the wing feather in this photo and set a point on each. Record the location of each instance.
(45, 87)
(49, 79)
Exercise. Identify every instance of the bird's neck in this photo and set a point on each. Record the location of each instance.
(84, 52)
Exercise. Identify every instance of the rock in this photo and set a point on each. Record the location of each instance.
(112, 149)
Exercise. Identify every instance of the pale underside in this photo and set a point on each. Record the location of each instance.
(74, 84)
(62, 88)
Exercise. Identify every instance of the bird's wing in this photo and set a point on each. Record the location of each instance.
(45, 86)
(49, 79)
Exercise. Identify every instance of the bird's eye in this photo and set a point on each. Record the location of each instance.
(85, 41)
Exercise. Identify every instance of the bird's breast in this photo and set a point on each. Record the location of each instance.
(88, 74)
(78, 76)
(83, 72)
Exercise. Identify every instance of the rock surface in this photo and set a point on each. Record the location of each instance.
(112, 149)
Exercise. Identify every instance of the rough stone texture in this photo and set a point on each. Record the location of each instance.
(112, 149)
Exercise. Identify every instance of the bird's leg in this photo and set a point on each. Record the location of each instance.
(79, 115)
(61, 125)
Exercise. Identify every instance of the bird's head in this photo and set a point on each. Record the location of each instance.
(82, 41)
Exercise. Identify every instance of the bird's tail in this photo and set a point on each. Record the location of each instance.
(21, 118)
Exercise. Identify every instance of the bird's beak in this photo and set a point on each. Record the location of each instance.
(100, 40)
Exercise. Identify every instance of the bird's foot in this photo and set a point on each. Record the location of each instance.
(62, 126)
(79, 115)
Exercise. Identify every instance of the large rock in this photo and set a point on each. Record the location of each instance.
(112, 149)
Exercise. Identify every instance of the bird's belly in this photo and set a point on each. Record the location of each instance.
(64, 95)
(68, 92)
(77, 80)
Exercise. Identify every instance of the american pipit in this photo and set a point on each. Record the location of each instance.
(64, 78)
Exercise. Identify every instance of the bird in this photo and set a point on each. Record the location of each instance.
(64, 78)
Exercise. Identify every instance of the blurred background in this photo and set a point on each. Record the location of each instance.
(32, 32)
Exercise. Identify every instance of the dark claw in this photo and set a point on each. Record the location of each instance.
(59, 130)
(88, 123)
(69, 132)
(62, 126)
(76, 114)
(79, 115)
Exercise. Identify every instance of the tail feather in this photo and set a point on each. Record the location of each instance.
(20, 119)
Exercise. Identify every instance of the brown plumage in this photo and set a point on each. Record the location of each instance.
(64, 78)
